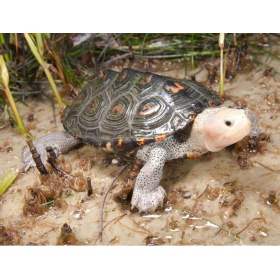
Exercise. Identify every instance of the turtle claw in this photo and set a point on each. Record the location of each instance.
(27, 160)
(148, 201)
(61, 142)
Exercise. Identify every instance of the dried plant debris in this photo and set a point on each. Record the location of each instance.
(272, 200)
(174, 225)
(154, 241)
(212, 193)
(85, 164)
(228, 191)
(234, 61)
(89, 187)
(178, 195)
(78, 182)
(34, 203)
(268, 72)
(195, 220)
(235, 58)
(213, 74)
(124, 195)
(9, 236)
(231, 198)
(230, 210)
(240, 103)
(271, 98)
(67, 237)
(54, 186)
(249, 146)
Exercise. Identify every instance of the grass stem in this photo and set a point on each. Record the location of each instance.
(44, 66)
(221, 45)
(4, 80)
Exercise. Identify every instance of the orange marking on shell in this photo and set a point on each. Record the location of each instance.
(120, 143)
(149, 78)
(147, 110)
(174, 89)
(193, 118)
(123, 76)
(160, 138)
(193, 155)
(179, 86)
(141, 142)
(117, 109)
(211, 104)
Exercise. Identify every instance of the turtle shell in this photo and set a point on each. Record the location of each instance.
(122, 111)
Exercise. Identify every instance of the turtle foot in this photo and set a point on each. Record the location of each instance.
(61, 142)
(148, 201)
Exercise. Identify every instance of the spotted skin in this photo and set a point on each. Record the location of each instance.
(147, 194)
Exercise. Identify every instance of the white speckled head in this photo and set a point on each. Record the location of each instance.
(221, 127)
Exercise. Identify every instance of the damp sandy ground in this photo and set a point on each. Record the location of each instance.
(200, 191)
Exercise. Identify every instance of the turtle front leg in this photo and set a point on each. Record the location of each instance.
(61, 142)
(148, 195)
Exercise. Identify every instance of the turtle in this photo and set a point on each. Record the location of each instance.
(149, 117)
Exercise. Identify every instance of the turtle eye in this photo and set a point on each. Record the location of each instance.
(228, 123)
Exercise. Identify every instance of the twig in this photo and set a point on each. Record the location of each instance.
(104, 198)
(117, 58)
(114, 220)
(89, 187)
(267, 167)
(220, 228)
(221, 45)
(36, 157)
(255, 219)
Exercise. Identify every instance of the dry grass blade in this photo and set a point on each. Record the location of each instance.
(221, 45)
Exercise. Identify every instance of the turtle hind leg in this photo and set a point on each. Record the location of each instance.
(148, 195)
(61, 142)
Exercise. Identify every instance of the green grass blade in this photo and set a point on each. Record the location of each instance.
(192, 47)
(40, 44)
(46, 70)
(7, 180)
(4, 80)
(2, 42)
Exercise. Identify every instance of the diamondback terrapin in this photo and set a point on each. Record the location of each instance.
(150, 117)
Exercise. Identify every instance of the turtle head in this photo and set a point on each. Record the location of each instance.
(221, 127)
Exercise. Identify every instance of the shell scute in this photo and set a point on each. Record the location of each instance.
(130, 109)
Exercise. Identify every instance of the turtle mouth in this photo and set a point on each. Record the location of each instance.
(228, 140)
